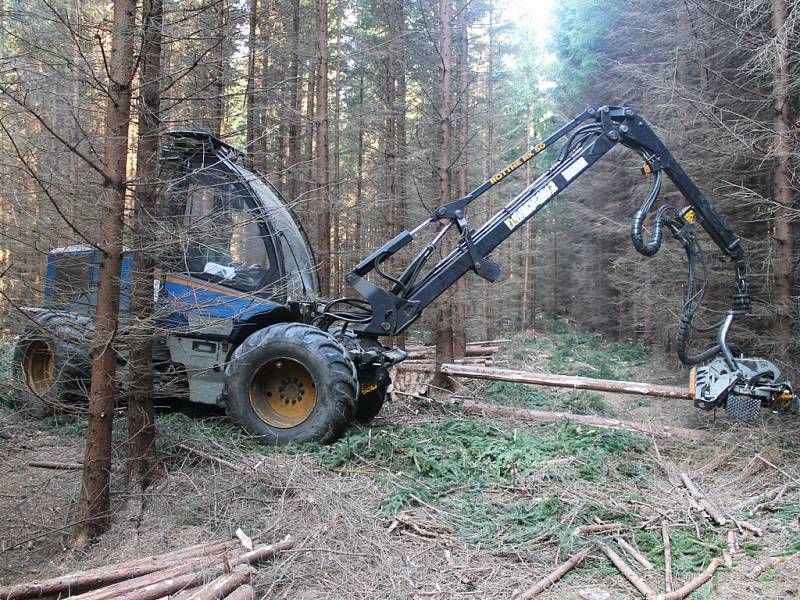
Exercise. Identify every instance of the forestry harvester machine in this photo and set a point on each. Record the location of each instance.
(243, 327)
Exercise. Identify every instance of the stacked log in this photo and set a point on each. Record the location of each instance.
(212, 570)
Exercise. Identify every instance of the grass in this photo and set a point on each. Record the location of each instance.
(568, 352)
(6, 357)
(467, 469)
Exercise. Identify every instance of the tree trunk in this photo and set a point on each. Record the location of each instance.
(782, 229)
(460, 290)
(294, 99)
(92, 513)
(219, 64)
(402, 202)
(488, 303)
(142, 465)
(251, 117)
(323, 208)
(444, 322)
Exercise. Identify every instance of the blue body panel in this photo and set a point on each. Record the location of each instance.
(184, 295)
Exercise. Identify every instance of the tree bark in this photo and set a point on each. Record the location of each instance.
(92, 512)
(142, 465)
(460, 289)
(251, 116)
(294, 102)
(323, 208)
(444, 322)
(783, 228)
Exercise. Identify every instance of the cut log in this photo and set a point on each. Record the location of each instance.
(58, 466)
(220, 587)
(94, 578)
(208, 566)
(636, 581)
(712, 510)
(263, 551)
(546, 582)
(165, 587)
(603, 422)
(245, 592)
(695, 583)
(578, 383)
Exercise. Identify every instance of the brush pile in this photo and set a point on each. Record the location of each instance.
(208, 571)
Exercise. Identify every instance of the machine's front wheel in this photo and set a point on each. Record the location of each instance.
(292, 383)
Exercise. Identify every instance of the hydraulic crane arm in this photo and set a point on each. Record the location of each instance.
(740, 384)
(592, 134)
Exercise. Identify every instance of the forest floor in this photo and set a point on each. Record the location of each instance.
(430, 503)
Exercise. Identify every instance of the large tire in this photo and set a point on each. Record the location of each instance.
(51, 367)
(291, 383)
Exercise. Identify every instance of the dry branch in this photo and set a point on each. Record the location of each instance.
(603, 422)
(636, 581)
(695, 583)
(216, 460)
(94, 578)
(550, 579)
(637, 556)
(58, 466)
(578, 383)
(770, 564)
(712, 510)
(600, 528)
(667, 554)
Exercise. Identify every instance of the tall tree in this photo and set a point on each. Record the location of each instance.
(462, 26)
(444, 322)
(782, 228)
(323, 208)
(142, 464)
(92, 513)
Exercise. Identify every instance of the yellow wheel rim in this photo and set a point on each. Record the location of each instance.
(282, 393)
(39, 367)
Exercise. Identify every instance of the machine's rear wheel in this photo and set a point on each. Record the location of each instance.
(51, 368)
(292, 383)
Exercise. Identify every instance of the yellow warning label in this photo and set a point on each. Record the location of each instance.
(369, 388)
(689, 216)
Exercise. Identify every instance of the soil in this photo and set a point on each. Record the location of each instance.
(343, 550)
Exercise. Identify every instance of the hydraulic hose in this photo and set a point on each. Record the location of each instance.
(651, 247)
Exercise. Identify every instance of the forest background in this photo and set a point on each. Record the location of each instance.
(369, 114)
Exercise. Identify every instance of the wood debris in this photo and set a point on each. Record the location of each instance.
(216, 569)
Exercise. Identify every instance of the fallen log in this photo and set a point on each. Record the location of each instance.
(470, 352)
(58, 466)
(103, 576)
(220, 587)
(629, 574)
(526, 414)
(553, 577)
(567, 381)
(695, 583)
(263, 551)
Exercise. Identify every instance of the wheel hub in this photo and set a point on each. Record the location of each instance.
(39, 367)
(283, 393)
